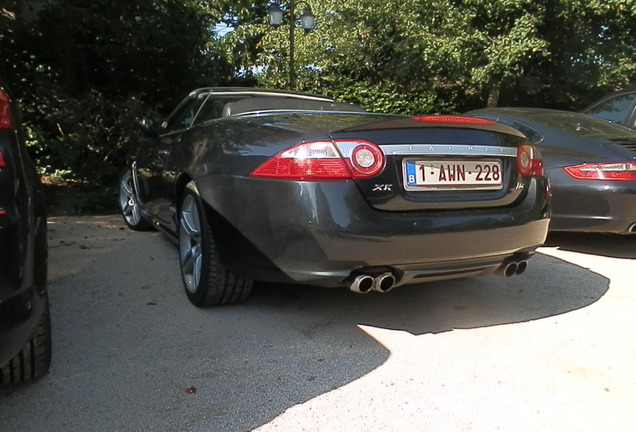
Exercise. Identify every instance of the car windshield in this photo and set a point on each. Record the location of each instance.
(585, 126)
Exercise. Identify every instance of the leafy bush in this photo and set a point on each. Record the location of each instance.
(88, 138)
(86, 73)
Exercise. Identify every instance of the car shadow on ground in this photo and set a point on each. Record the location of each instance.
(458, 304)
(131, 353)
(609, 245)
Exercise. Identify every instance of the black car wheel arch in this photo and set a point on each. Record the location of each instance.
(206, 280)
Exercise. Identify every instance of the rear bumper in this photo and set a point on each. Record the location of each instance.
(322, 233)
(594, 206)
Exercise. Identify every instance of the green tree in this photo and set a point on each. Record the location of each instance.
(411, 56)
(440, 55)
(507, 42)
(86, 72)
(591, 52)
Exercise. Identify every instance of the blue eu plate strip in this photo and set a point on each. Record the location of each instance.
(411, 177)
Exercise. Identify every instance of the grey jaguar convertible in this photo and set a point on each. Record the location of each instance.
(264, 185)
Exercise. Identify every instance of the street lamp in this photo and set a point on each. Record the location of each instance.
(307, 21)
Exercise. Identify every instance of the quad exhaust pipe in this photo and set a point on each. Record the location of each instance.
(364, 283)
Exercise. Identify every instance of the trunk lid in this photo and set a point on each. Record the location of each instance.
(441, 163)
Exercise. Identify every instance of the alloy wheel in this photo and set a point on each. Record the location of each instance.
(128, 201)
(190, 244)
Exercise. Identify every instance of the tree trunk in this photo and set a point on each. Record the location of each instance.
(493, 96)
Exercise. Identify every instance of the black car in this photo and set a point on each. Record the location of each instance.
(591, 165)
(619, 108)
(287, 187)
(25, 333)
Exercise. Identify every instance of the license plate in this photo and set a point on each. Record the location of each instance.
(452, 175)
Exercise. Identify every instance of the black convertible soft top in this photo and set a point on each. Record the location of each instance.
(283, 103)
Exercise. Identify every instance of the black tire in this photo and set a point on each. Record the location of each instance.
(129, 205)
(206, 281)
(34, 359)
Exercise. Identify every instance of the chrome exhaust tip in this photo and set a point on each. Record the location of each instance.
(513, 265)
(384, 282)
(508, 269)
(521, 267)
(362, 284)
(511, 269)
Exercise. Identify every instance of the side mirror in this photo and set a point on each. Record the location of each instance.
(150, 129)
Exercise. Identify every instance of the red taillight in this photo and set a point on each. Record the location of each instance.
(3, 164)
(529, 161)
(364, 159)
(614, 171)
(452, 119)
(318, 160)
(323, 160)
(6, 117)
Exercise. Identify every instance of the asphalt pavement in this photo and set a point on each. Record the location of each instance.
(550, 350)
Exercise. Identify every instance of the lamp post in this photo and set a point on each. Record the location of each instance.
(307, 20)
